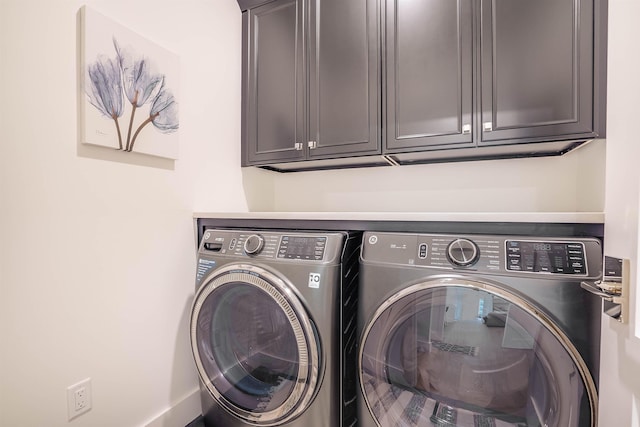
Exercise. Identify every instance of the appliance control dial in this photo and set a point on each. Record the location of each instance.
(253, 245)
(463, 252)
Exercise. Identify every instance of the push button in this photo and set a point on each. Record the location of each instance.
(422, 251)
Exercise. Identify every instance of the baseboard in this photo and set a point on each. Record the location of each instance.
(181, 413)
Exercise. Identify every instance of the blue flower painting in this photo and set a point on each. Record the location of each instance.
(130, 90)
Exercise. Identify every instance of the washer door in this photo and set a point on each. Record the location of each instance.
(456, 352)
(256, 349)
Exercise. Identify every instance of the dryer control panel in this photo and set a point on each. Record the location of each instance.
(546, 256)
(512, 255)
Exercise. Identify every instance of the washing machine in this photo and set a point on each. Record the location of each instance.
(478, 330)
(273, 327)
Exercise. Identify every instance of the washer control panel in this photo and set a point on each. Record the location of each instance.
(253, 244)
(512, 255)
(268, 244)
(302, 247)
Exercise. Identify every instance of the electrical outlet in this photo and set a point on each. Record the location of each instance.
(78, 398)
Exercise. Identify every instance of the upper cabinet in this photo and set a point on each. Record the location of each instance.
(445, 80)
(537, 71)
(273, 98)
(311, 81)
(492, 78)
(429, 74)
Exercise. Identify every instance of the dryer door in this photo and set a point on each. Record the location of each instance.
(255, 347)
(457, 352)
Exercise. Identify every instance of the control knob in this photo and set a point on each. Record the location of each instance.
(253, 245)
(463, 252)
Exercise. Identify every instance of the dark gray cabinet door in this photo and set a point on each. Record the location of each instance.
(344, 77)
(461, 77)
(537, 70)
(428, 74)
(274, 82)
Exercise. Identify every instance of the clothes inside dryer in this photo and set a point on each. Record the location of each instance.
(459, 355)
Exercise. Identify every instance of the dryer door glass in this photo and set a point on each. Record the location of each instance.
(252, 350)
(469, 354)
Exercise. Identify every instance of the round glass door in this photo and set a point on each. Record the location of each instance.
(454, 352)
(255, 348)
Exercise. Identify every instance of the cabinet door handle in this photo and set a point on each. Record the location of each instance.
(487, 126)
(466, 129)
(298, 146)
(312, 145)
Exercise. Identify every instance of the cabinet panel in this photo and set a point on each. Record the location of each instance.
(457, 80)
(537, 69)
(275, 96)
(343, 77)
(428, 73)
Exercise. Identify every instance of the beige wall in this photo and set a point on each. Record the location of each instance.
(570, 183)
(97, 247)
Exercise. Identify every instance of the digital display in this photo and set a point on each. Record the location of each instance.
(546, 257)
(302, 247)
(541, 246)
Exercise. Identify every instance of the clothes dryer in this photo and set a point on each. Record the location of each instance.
(478, 330)
(273, 328)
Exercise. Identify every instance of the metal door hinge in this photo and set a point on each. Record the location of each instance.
(613, 288)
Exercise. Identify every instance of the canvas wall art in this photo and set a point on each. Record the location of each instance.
(129, 89)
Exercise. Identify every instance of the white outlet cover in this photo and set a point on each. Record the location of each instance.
(84, 389)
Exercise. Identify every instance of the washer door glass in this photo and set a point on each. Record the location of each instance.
(459, 353)
(255, 348)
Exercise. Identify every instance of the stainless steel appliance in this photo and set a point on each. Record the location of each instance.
(478, 330)
(273, 328)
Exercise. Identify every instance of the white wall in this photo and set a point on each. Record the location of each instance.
(570, 183)
(620, 364)
(97, 247)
